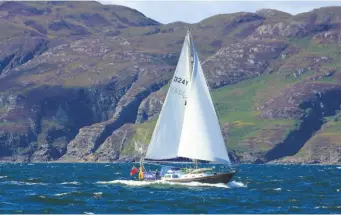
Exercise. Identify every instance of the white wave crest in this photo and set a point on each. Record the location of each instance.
(8, 203)
(98, 193)
(338, 167)
(236, 184)
(70, 182)
(278, 189)
(4, 176)
(23, 183)
(61, 194)
(160, 182)
(68, 193)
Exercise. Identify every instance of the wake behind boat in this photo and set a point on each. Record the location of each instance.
(187, 128)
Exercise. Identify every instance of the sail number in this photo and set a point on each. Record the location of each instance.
(180, 80)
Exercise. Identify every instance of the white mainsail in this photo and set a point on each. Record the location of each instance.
(165, 139)
(192, 130)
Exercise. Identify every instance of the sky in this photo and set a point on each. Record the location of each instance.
(192, 11)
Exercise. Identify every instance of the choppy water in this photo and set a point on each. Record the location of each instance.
(108, 188)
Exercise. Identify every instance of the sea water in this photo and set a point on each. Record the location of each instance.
(108, 188)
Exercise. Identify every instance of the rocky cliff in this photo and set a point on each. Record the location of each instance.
(84, 82)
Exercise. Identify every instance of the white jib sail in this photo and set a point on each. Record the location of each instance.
(201, 135)
(165, 139)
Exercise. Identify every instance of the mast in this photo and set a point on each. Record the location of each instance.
(190, 58)
(192, 50)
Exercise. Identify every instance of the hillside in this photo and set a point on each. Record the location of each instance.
(84, 82)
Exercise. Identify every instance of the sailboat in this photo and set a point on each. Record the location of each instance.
(187, 127)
